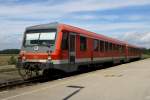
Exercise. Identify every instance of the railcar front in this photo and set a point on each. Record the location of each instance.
(38, 50)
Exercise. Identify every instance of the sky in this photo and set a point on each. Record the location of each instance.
(127, 20)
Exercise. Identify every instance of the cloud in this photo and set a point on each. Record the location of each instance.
(11, 41)
(87, 17)
(139, 39)
(15, 15)
(67, 7)
(108, 27)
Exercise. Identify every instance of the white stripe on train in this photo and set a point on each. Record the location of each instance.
(65, 61)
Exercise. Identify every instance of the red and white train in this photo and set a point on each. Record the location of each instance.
(60, 47)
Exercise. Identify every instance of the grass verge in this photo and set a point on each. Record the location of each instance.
(5, 58)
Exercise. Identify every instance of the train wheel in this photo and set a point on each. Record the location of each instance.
(25, 73)
(46, 74)
(35, 73)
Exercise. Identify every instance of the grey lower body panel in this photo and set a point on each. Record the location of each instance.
(42, 66)
(65, 66)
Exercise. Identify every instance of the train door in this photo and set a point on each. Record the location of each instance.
(72, 48)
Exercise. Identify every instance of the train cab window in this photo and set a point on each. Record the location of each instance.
(83, 43)
(65, 41)
(101, 46)
(96, 45)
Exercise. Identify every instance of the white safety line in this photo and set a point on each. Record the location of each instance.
(41, 89)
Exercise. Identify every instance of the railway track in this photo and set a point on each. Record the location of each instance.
(9, 84)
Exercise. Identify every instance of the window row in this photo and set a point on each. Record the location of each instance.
(98, 45)
(102, 46)
(133, 50)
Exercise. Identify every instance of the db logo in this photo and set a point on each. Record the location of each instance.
(36, 48)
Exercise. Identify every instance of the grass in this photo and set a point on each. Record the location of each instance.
(4, 58)
(4, 62)
(7, 70)
(145, 56)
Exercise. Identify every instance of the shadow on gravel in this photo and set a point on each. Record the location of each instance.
(75, 92)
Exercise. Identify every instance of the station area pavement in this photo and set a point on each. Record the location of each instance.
(130, 81)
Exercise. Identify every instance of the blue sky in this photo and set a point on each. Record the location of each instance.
(126, 20)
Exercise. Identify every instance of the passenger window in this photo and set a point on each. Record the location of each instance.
(65, 41)
(83, 43)
(106, 46)
(113, 47)
(110, 46)
(101, 46)
(118, 48)
(123, 49)
(96, 45)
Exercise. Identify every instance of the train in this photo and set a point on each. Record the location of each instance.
(57, 47)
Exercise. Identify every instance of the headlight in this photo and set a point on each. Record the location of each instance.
(23, 58)
(49, 58)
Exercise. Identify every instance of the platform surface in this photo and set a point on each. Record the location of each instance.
(129, 81)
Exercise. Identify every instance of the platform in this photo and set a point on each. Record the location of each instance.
(129, 81)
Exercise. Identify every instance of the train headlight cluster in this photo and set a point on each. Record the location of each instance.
(22, 52)
(49, 55)
(49, 58)
(23, 58)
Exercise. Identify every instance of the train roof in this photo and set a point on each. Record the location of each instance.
(92, 34)
(55, 25)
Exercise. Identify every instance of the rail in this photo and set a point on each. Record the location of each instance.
(18, 82)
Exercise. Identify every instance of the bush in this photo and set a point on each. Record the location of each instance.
(12, 60)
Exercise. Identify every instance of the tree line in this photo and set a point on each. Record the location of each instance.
(10, 51)
(146, 51)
